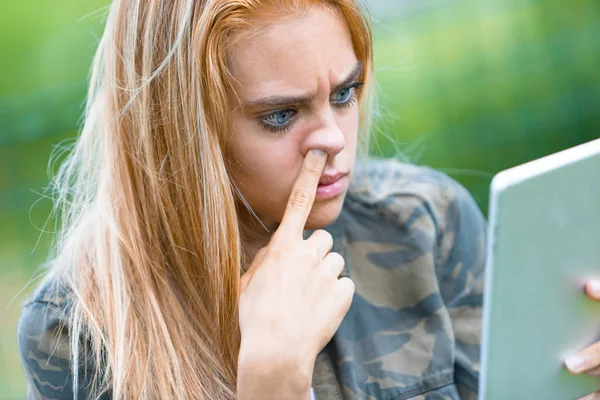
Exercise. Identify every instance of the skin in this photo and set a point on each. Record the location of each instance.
(292, 284)
(268, 64)
(587, 361)
(292, 288)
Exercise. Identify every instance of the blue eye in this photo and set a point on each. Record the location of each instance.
(279, 117)
(343, 95)
(347, 96)
(278, 120)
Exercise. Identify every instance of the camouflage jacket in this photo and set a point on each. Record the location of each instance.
(414, 245)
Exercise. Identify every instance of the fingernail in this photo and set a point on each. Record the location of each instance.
(593, 288)
(575, 364)
(318, 152)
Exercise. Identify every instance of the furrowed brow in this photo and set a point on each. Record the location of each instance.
(281, 101)
(353, 76)
(277, 101)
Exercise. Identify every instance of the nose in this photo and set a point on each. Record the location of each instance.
(327, 136)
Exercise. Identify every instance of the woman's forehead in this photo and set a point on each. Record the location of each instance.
(294, 54)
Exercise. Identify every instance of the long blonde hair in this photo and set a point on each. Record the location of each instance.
(150, 244)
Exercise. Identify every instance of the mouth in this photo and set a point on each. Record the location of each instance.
(330, 178)
(332, 185)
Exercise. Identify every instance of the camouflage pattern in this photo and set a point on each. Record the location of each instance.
(414, 245)
(44, 345)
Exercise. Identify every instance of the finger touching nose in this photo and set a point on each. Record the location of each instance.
(329, 138)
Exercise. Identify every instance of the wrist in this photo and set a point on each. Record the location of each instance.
(266, 374)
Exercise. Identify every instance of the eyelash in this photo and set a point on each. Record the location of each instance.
(285, 128)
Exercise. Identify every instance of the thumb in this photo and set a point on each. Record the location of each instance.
(592, 289)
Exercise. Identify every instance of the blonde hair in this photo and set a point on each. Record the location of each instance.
(150, 247)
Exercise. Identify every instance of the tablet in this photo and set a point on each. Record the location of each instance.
(544, 243)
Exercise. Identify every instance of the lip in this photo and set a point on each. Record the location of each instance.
(331, 177)
(333, 186)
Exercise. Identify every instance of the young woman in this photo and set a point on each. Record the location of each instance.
(219, 240)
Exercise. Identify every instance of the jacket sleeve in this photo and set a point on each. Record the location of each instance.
(46, 355)
(461, 262)
(44, 350)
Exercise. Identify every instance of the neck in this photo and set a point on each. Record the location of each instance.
(253, 234)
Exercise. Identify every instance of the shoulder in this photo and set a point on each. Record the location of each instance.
(414, 249)
(43, 339)
(405, 191)
(378, 179)
(46, 308)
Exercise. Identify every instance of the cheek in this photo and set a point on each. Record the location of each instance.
(265, 176)
(270, 165)
(264, 165)
(349, 125)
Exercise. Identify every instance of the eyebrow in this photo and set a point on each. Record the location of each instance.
(278, 101)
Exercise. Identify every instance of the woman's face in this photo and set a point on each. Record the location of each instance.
(297, 82)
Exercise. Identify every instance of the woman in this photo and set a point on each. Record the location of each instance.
(220, 137)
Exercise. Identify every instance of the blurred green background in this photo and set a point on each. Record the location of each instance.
(468, 87)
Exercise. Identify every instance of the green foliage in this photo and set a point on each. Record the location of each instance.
(472, 88)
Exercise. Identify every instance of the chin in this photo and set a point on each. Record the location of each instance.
(324, 214)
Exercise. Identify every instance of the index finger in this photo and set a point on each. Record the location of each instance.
(302, 196)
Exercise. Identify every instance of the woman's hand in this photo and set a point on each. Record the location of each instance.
(587, 361)
(291, 300)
